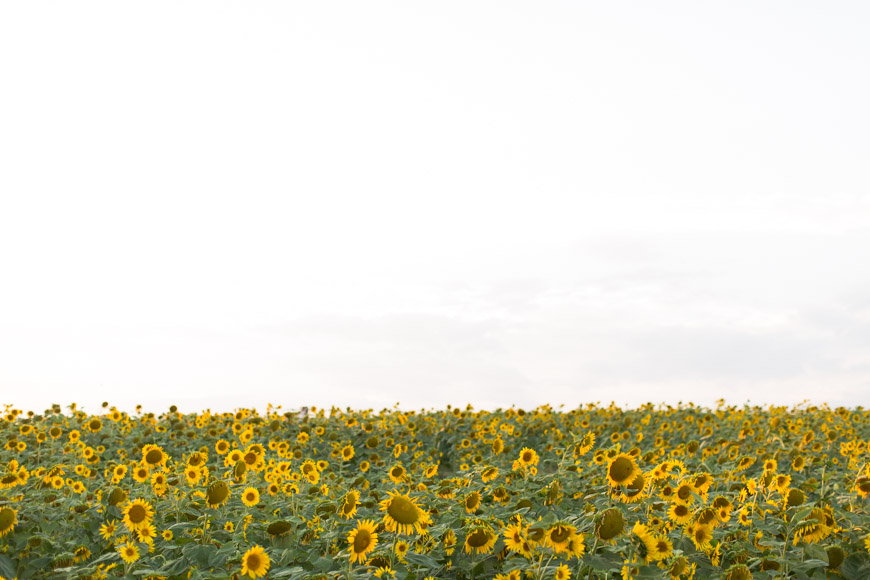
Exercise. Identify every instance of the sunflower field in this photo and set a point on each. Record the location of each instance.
(597, 492)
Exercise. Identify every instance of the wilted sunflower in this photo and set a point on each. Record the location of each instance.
(137, 514)
(480, 540)
(362, 540)
(621, 470)
(255, 562)
(403, 515)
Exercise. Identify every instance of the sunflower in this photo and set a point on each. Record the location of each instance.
(8, 519)
(167, 535)
(636, 490)
(401, 549)
(679, 513)
(562, 572)
(137, 514)
(141, 473)
(621, 470)
(349, 504)
(107, 530)
(153, 455)
(397, 473)
(480, 540)
(528, 457)
(217, 494)
(798, 463)
(402, 514)
(129, 552)
(147, 533)
(700, 535)
(449, 542)
(662, 549)
(472, 502)
(192, 475)
(515, 539)
(862, 486)
(649, 542)
(684, 493)
(362, 540)
(250, 497)
(255, 562)
(488, 474)
(347, 452)
(559, 536)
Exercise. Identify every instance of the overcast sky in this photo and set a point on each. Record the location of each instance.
(222, 204)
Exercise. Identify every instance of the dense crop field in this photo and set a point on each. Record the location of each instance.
(595, 492)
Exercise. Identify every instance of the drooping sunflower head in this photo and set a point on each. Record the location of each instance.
(362, 540)
(738, 572)
(217, 494)
(609, 524)
(403, 515)
(621, 470)
(278, 528)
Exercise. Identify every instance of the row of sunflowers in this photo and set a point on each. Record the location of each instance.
(598, 492)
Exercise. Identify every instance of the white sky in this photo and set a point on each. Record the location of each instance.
(218, 204)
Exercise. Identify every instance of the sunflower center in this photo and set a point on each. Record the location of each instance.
(362, 541)
(681, 510)
(137, 514)
(560, 534)
(684, 492)
(527, 456)
(403, 511)
(478, 538)
(154, 456)
(253, 562)
(621, 469)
